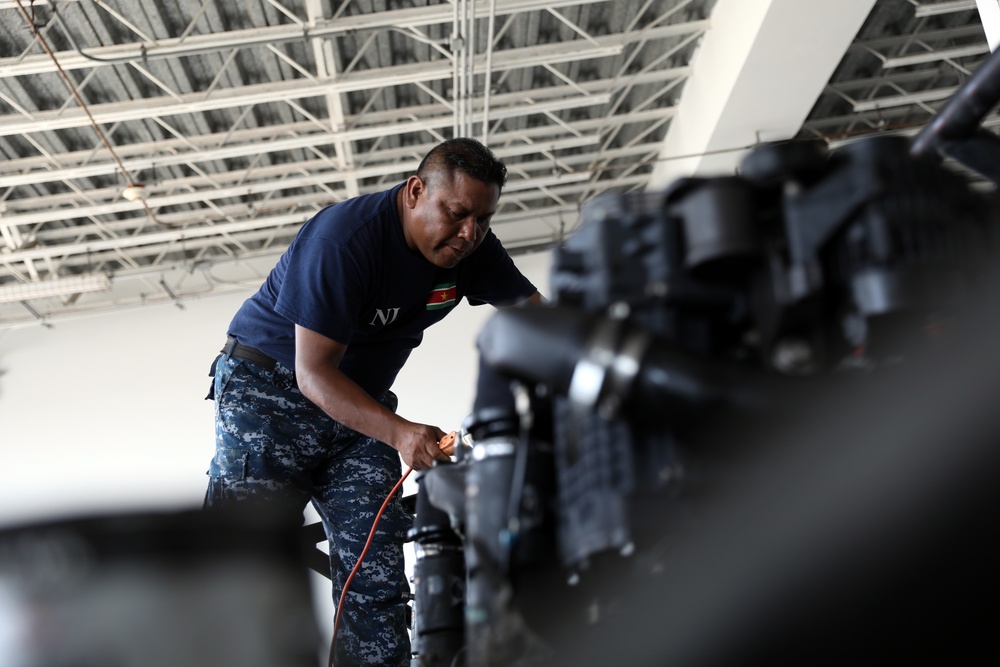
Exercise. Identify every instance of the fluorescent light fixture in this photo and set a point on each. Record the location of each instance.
(94, 282)
(903, 100)
(935, 56)
(936, 8)
(134, 192)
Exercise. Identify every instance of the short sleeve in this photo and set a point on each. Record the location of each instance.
(493, 276)
(323, 288)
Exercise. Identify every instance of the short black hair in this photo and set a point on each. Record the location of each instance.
(466, 155)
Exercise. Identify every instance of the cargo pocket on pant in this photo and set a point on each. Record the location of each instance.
(211, 374)
(227, 468)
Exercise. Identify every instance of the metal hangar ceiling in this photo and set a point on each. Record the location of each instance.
(163, 150)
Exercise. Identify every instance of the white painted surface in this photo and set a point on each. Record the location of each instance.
(758, 73)
(106, 413)
(989, 14)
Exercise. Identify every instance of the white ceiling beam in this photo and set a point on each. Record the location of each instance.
(527, 141)
(223, 41)
(327, 67)
(153, 243)
(270, 183)
(65, 206)
(759, 70)
(133, 165)
(543, 219)
(941, 37)
(935, 55)
(151, 154)
(58, 287)
(164, 236)
(530, 136)
(297, 89)
(314, 200)
(12, 4)
(188, 238)
(260, 228)
(938, 8)
(917, 77)
(921, 97)
(82, 250)
(62, 207)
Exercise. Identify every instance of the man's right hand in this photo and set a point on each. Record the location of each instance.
(418, 445)
(317, 361)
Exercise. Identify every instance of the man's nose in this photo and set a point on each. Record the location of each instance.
(467, 229)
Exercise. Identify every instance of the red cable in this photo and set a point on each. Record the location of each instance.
(447, 445)
(357, 566)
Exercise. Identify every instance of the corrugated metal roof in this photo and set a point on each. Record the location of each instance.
(237, 121)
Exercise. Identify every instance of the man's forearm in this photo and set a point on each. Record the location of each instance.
(317, 370)
(347, 403)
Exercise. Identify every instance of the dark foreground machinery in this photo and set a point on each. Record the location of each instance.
(756, 424)
(157, 589)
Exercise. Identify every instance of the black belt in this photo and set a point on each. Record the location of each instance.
(251, 354)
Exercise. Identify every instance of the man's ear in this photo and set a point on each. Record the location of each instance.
(412, 190)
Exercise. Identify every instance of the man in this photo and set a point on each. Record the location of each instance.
(304, 410)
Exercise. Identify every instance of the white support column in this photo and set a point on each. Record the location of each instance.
(989, 14)
(758, 73)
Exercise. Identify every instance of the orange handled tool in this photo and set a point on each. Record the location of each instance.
(447, 443)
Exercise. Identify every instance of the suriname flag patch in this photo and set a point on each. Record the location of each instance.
(441, 296)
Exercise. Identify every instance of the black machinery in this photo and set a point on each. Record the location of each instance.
(157, 589)
(754, 426)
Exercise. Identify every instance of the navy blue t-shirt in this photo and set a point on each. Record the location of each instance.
(350, 276)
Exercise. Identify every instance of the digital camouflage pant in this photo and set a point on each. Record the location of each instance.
(273, 445)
